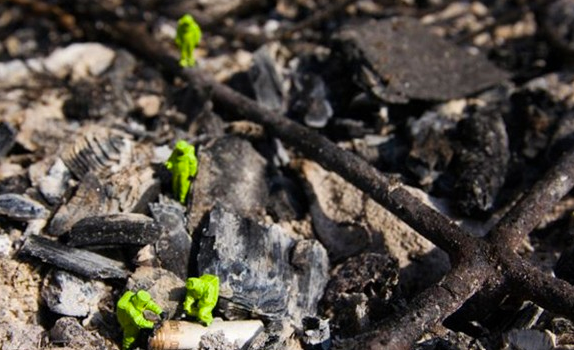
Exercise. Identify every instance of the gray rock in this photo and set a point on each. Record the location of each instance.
(18, 207)
(173, 248)
(80, 60)
(216, 341)
(114, 229)
(82, 262)
(69, 332)
(262, 270)
(69, 295)
(230, 172)
(166, 289)
(399, 59)
(54, 185)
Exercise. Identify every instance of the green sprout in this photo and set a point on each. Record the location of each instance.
(201, 297)
(183, 166)
(187, 37)
(130, 313)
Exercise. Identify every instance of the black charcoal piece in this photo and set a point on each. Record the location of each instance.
(558, 24)
(69, 295)
(231, 172)
(316, 334)
(431, 149)
(449, 341)
(18, 207)
(482, 160)
(310, 99)
(265, 80)
(173, 247)
(262, 270)
(82, 262)
(542, 115)
(7, 138)
(90, 198)
(285, 200)
(362, 291)
(564, 268)
(15, 184)
(400, 59)
(114, 229)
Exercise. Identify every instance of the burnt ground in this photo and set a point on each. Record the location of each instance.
(372, 174)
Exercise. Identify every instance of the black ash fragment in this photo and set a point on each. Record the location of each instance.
(265, 80)
(362, 291)
(232, 172)
(564, 268)
(558, 24)
(399, 59)
(7, 138)
(90, 198)
(114, 229)
(431, 148)
(316, 334)
(482, 160)
(173, 248)
(82, 262)
(309, 99)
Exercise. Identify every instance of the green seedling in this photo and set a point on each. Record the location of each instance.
(187, 37)
(201, 297)
(183, 166)
(130, 313)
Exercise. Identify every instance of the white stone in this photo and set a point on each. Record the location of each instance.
(149, 105)
(81, 59)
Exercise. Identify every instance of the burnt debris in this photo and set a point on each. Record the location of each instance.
(341, 207)
(82, 262)
(114, 229)
(399, 59)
